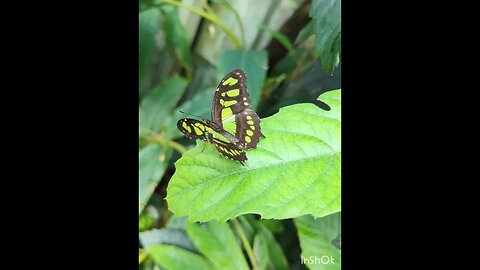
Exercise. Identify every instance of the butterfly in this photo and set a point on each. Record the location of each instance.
(234, 127)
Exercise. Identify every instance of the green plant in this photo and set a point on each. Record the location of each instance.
(200, 210)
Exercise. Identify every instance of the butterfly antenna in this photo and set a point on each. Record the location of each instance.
(191, 114)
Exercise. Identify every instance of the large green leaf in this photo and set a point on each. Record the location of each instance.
(253, 63)
(148, 24)
(316, 237)
(176, 37)
(217, 242)
(158, 105)
(327, 28)
(173, 258)
(267, 251)
(294, 171)
(152, 165)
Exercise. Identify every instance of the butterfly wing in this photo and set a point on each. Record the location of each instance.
(231, 109)
(247, 129)
(230, 150)
(192, 128)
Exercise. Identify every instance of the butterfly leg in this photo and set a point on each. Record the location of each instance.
(209, 139)
(203, 148)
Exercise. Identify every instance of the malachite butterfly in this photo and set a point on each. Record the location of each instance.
(234, 127)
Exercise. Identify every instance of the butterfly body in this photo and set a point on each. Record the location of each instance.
(234, 127)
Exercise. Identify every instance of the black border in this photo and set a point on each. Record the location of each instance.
(85, 68)
(82, 63)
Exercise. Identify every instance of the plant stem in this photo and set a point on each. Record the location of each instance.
(161, 139)
(209, 16)
(176, 146)
(245, 243)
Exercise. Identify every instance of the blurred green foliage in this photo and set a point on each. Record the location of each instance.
(290, 52)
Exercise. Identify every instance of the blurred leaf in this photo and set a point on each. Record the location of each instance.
(145, 222)
(177, 223)
(306, 32)
(251, 225)
(288, 63)
(267, 251)
(316, 236)
(217, 242)
(173, 258)
(247, 228)
(326, 24)
(294, 171)
(281, 38)
(177, 38)
(152, 164)
(158, 105)
(235, 12)
(200, 105)
(253, 63)
(142, 255)
(148, 24)
(337, 242)
(260, 250)
(170, 236)
(304, 84)
(147, 264)
(151, 214)
(275, 226)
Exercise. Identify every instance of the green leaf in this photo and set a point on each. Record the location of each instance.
(327, 27)
(170, 236)
(173, 258)
(294, 171)
(275, 226)
(177, 38)
(148, 25)
(267, 251)
(253, 63)
(158, 105)
(316, 236)
(152, 165)
(217, 242)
